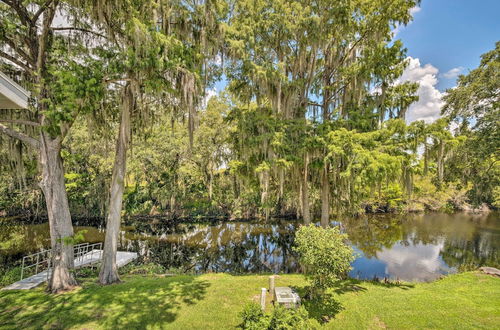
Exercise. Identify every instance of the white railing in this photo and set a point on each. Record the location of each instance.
(84, 254)
(36, 260)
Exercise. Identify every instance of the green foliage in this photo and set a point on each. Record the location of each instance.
(9, 275)
(77, 238)
(324, 255)
(144, 269)
(289, 319)
(280, 318)
(313, 102)
(496, 197)
(253, 317)
(477, 92)
(476, 99)
(86, 272)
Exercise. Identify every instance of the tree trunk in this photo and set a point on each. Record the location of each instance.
(299, 204)
(264, 178)
(440, 163)
(210, 185)
(426, 161)
(173, 203)
(109, 270)
(305, 191)
(325, 197)
(281, 175)
(54, 190)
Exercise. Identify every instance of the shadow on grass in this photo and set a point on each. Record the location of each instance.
(353, 285)
(325, 308)
(402, 286)
(133, 304)
(321, 308)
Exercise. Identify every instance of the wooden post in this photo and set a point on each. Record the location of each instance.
(263, 298)
(271, 284)
(22, 270)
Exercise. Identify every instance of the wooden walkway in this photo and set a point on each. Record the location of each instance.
(90, 258)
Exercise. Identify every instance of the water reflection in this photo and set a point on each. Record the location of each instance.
(408, 247)
(226, 247)
(424, 246)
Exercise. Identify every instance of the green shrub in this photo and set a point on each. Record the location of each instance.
(9, 275)
(284, 318)
(496, 197)
(280, 318)
(324, 256)
(86, 272)
(253, 317)
(149, 268)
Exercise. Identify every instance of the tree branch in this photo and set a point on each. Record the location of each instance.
(18, 50)
(363, 36)
(15, 61)
(43, 38)
(491, 166)
(21, 12)
(41, 10)
(20, 136)
(66, 126)
(20, 122)
(116, 81)
(78, 29)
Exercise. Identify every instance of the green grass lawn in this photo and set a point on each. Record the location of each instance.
(213, 301)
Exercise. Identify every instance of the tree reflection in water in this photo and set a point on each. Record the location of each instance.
(408, 247)
(226, 247)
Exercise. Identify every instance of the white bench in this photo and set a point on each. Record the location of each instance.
(284, 295)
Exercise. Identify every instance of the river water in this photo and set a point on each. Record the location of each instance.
(414, 247)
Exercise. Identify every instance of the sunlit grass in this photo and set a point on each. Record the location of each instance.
(213, 301)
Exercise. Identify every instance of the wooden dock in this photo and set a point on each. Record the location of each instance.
(88, 259)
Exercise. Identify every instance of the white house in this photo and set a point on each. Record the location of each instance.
(12, 96)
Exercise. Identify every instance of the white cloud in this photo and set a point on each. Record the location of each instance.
(453, 73)
(414, 262)
(415, 10)
(428, 107)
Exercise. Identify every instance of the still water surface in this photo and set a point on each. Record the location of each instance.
(415, 247)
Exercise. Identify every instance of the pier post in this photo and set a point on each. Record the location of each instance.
(263, 298)
(271, 284)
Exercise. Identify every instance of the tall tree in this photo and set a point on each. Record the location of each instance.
(165, 47)
(56, 78)
(319, 66)
(475, 105)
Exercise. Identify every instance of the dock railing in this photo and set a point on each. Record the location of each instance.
(87, 251)
(37, 260)
(42, 260)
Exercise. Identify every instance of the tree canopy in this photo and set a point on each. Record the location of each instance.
(311, 121)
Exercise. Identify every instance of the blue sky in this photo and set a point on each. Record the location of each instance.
(445, 39)
(452, 34)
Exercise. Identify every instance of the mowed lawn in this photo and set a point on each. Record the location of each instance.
(213, 301)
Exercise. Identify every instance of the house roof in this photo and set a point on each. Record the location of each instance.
(12, 96)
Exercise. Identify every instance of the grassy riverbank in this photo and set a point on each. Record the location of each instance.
(213, 301)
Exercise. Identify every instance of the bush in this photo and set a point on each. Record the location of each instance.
(253, 317)
(86, 272)
(10, 275)
(323, 255)
(149, 268)
(284, 318)
(280, 318)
